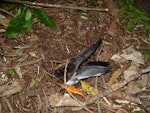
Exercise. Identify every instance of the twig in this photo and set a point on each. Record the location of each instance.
(46, 102)
(115, 88)
(56, 6)
(81, 103)
(98, 105)
(65, 73)
(4, 11)
(123, 96)
(97, 92)
(8, 104)
(17, 67)
(39, 103)
(30, 62)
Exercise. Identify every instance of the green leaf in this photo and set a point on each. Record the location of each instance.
(37, 83)
(19, 12)
(16, 25)
(147, 54)
(145, 18)
(132, 23)
(131, 2)
(28, 21)
(123, 10)
(93, 2)
(11, 72)
(129, 16)
(147, 26)
(99, 13)
(10, 7)
(43, 16)
(90, 19)
(137, 112)
(121, 3)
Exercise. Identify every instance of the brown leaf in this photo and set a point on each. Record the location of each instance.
(12, 87)
(114, 77)
(57, 100)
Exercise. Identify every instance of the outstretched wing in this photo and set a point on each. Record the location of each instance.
(89, 69)
(74, 63)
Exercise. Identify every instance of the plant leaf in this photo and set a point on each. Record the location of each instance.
(93, 2)
(37, 83)
(87, 88)
(145, 18)
(10, 7)
(11, 72)
(129, 16)
(121, 3)
(28, 21)
(44, 17)
(16, 25)
(147, 54)
(137, 112)
(132, 23)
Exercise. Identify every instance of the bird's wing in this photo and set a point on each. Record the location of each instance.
(91, 69)
(74, 63)
(77, 61)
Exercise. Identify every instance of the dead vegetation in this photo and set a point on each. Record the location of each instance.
(34, 57)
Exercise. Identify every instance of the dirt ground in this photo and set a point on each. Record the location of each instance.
(42, 51)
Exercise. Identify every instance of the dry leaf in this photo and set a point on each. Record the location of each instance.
(73, 89)
(57, 100)
(87, 88)
(114, 77)
(33, 54)
(135, 87)
(12, 87)
(129, 54)
(132, 70)
(4, 21)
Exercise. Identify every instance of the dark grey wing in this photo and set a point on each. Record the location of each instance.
(74, 63)
(77, 61)
(88, 70)
(91, 69)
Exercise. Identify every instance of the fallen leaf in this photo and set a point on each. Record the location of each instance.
(131, 54)
(132, 70)
(114, 77)
(128, 54)
(4, 21)
(135, 87)
(73, 89)
(12, 87)
(57, 100)
(33, 54)
(87, 88)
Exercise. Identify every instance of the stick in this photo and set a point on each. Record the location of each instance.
(56, 6)
(120, 85)
(8, 104)
(81, 103)
(4, 11)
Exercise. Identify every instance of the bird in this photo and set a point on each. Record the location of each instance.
(80, 68)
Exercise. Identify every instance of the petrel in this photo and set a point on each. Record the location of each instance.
(80, 68)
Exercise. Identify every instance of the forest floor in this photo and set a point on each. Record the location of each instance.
(34, 89)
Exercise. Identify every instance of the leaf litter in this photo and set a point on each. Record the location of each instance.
(48, 50)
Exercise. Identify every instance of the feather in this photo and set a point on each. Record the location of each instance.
(78, 67)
